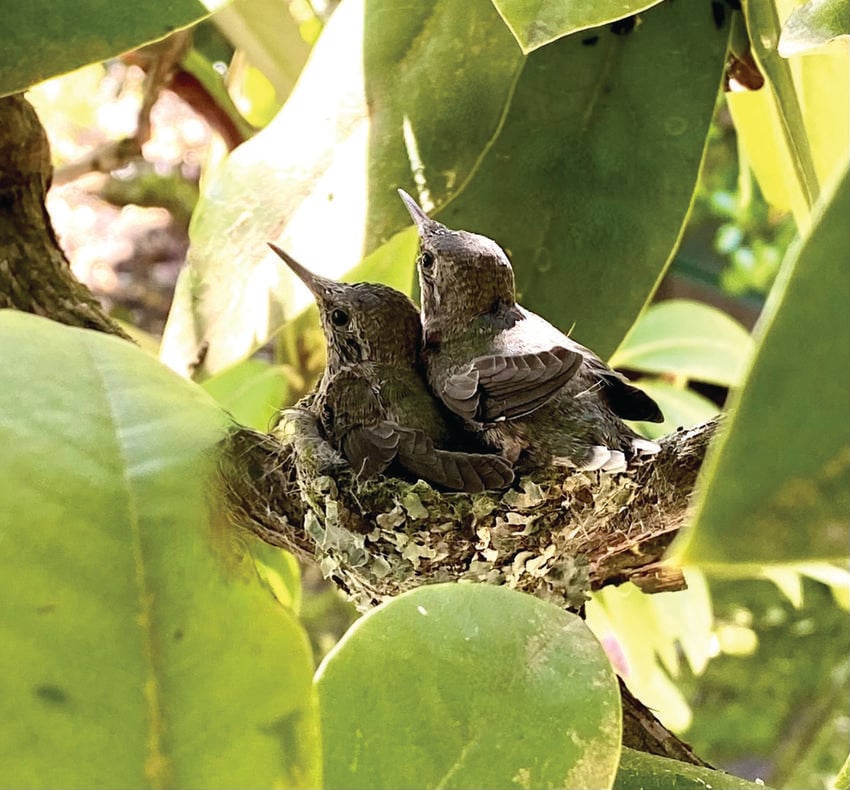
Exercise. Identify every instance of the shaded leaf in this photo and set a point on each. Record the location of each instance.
(139, 648)
(565, 188)
(641, 771)
(687, 339)
(814, 24)
(535, 23)
(457, 685)
(775, 488)
(39, 44)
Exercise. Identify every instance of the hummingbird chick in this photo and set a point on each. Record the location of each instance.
(373, 403)
(521, 384)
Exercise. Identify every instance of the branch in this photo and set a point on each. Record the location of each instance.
(34, 275)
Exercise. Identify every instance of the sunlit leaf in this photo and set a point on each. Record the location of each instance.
(837, 579)
(535, 23)
(468, 686)
(687, 339)
(252, 392)
(822, 85)
(265, 31)
(38, 43)
(139, 647)
(775, 488)
(814, 24)
(281, 573)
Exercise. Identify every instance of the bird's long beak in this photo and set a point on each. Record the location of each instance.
(422, 220)
(319, 286)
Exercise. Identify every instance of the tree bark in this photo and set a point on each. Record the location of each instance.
(34, 274)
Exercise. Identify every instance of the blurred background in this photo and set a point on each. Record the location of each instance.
(135, 142)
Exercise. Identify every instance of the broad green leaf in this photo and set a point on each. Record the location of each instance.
(681, 407)
(687, 339)
(472, 128)
(535, 23)
(458, 685)
(814, 24)
(590, 217)
(39, 42)
(252, 392)
(641, 771)
(775, 488)
(139, 648)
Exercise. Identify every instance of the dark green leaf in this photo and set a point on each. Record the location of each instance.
(776, 488)
(641, 771)
(468, 686)
(591, 177)
(538, 22)
(139, 648)
(42, 41)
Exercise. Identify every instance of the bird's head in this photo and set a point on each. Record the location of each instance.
(362, 322)
(462, 275)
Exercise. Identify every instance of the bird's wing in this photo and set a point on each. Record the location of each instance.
(507, 386)
(370, 449)
(470, 472)
(626, 401)
(352, 417)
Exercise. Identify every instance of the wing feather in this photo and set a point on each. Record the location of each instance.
(503, 387)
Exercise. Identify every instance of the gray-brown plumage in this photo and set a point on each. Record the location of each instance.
(524, 386)
(372, 402)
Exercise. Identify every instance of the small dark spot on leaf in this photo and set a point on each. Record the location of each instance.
(623, 27)
(590, 41)
(178, 634)
(47, 608)
(52, 694)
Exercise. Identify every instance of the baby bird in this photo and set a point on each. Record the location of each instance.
(521, 384)
(372, 402)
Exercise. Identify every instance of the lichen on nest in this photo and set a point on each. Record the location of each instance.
(553, 535)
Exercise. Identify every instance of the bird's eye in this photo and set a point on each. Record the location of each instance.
(339, 317)
(426, 260)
